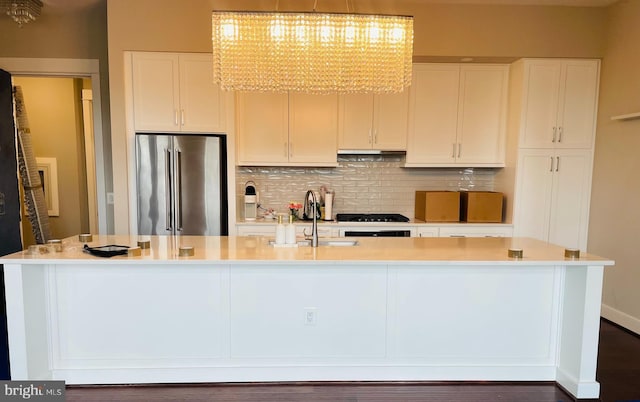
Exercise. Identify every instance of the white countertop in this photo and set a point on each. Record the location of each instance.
(218, 250)
(412, 222)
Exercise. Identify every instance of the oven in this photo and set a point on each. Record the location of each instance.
(373, 225)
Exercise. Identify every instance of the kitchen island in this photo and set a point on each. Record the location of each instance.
(239, 310)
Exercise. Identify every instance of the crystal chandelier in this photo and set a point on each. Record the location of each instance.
(21, 11)
(312, 52)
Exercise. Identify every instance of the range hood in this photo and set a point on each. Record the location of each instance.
(369, 152)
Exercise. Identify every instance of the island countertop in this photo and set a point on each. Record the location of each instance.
(222, 249)
(242, 310)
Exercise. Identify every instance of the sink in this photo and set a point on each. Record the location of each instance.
(331, 242)
(337, 242)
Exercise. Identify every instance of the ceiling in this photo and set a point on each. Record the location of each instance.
(68, 4)
(576, 3)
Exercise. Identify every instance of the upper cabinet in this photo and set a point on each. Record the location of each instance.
(175, 93)
(370, 121)
(457, 115)
(559, 99)
(286, 130)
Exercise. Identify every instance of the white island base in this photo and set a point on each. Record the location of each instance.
(416, 309)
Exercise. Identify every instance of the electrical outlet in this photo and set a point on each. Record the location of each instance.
(110, 199)
(310, 316)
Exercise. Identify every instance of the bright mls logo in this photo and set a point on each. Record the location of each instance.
(43, 391)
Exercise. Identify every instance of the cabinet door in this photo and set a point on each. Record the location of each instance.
(428, 231)
(570, 198)
(262, 128)
(534, 184)
(433, 113)
(313, 129)
(540, 103)
(201, 101)
(390, 117)
(156, 92)
(356, 119)
(476, 231)
(482, 115)
(577, 104)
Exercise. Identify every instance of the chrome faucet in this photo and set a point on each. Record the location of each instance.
(314, 227)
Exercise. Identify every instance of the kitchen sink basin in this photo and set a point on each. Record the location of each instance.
(336, 242)
(331, 242)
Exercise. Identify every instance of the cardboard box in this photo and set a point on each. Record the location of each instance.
(481, 206)
(437, 206)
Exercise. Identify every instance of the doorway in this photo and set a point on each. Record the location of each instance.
(55, 107)
(87, 70)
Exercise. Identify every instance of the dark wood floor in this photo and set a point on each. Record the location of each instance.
(618, 374)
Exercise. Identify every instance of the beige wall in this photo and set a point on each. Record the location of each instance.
(440, 31)
(615, 214)
(77, 32)
(52, 108)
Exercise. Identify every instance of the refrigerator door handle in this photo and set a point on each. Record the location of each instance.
(167, 187)
(178, 184)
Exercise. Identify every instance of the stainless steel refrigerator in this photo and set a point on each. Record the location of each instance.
(181, 184)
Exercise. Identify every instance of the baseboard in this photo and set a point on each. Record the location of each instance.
(623, 319)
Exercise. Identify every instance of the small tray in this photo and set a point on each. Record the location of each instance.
(106, 251)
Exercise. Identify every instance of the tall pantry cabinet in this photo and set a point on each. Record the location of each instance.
(555, 104)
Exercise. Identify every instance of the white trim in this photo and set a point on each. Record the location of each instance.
(621, 318)
(90, 158)
(73, 68)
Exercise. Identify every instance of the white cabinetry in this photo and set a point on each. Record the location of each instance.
(427, 231)
(373, 121)
(553, 188)
(559, 103)
(287, 130)
(555, 103)
(457, 115)
(476, 231)
(175, 93)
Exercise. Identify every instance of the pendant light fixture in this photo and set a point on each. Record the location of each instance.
(21, 11)
(312, 52)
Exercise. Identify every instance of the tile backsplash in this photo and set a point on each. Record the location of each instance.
(362, 183)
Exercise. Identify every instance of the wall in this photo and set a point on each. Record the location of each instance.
(615, 216)
(486, 32)
(77, 30)
(366, 184)
(52, 110)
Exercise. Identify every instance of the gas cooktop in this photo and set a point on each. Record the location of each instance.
(371, 218)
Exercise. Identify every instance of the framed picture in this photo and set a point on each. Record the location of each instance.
(48, 169)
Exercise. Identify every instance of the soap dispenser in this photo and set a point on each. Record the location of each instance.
(291, 232)
(280, 231)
